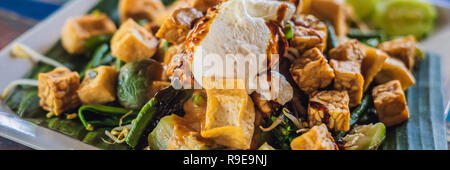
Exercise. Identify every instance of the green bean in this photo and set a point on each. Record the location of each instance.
(357, 112)
(332, 41)
(145, 116)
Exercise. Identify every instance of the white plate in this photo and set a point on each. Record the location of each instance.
(45, 34)
(41, 38)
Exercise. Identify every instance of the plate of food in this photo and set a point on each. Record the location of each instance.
(230, 74)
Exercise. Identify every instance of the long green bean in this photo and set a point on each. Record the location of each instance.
(332, 41)
(145, 116)
(357, 112)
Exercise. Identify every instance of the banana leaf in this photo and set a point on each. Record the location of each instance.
(425, 129)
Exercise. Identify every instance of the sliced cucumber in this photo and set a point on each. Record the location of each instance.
(365, 137)
(266, 146)
(405, 17)
(160, 137)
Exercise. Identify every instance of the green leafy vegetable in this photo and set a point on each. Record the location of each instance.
(288, 32)
(96, 41)
(284, 133)
(103, 116)
(97, 59)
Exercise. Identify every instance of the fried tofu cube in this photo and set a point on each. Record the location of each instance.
(348, 77)
(230, 114)
(317, 138)
(372, 64)
(137, 10)
(390, 103)
(329, 10)
(100, 81)
(330, 108)
(311, 71)
(132, 42)
(309, 32)
(394, 69)
(403, 49)
(58, 90)
(77, 30)
(349, 50)
(176, 27)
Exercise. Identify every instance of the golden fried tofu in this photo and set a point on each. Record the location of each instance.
(309, 32)
(311, 71)
(230, 114)
(401, 48)
(77, 30)
(99, 85)
(58, 90)
(394, 69)
(349, 50)
(176, 27)
(330, 108)
(348, 77)
(328, 10)
(390, 103)
(137, 10)
(317, 138)
(132, 42)
(372, 64)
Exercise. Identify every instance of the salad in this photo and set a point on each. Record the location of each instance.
(229, 74)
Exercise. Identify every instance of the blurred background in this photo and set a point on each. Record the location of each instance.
(17, 16)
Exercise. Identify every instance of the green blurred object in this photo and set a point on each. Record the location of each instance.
(405, 17)
(363, 8)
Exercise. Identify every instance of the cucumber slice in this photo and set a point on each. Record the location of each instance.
(363, 8)
(365, 137)
(160, 136)
(405, 17)
(266, 146)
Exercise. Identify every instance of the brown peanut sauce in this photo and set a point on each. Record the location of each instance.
(191, 123)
